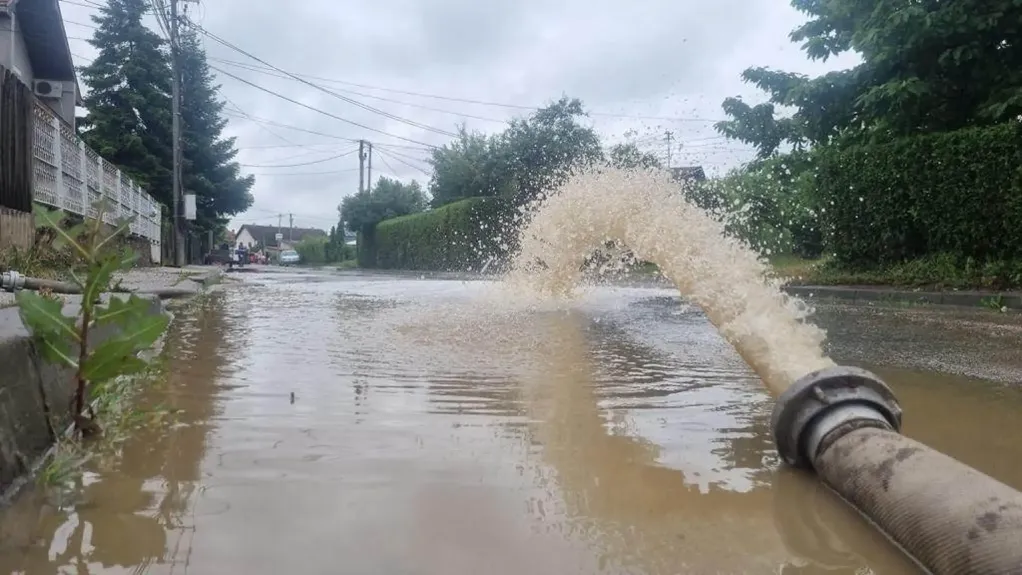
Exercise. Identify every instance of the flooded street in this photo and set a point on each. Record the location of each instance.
(333, 423)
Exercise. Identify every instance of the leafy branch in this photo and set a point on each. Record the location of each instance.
(70, 340)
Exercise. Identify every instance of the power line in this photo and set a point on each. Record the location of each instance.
(413, 123)
(406, 156)
(314, 109)
(84, 3)
(383, 159)
(94, 27)
(258, 120)
(274, 146)
(276, 213)
(262, 70)
(320, 161)
(470, 101)
(390, 153)
(274, 174)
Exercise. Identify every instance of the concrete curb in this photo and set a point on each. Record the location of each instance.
(1012, 300)
(35, 395)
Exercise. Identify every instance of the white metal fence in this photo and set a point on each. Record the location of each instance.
(71, 176)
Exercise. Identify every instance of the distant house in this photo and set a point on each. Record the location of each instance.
(688, 174)
(266, 236)
(33, 45)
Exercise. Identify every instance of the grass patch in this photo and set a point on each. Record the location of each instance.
(64, 465)
(936, 272)
(41, 261)
(347, 265)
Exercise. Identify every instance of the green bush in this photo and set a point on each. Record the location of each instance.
(768, 203)
(313, 249)
(459, 236)
(958, 194)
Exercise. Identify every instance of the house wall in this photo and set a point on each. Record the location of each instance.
(244, 238)
(65, 106)
(14, 56)
(13, 53)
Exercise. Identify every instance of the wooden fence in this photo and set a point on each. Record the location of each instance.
(17, 227)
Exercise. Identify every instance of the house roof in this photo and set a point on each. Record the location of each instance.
(266, 235)
(689, 173)
(42, 27)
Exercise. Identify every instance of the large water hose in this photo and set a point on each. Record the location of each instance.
(843, 423)
(13, 281)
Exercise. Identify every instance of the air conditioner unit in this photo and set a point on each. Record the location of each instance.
(48, 88)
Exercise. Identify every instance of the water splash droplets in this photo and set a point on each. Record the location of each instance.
(647, 212)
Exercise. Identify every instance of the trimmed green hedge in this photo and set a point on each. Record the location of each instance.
(956, 193)
(460, 236)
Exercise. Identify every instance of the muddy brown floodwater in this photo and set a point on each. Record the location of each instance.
(435, 430)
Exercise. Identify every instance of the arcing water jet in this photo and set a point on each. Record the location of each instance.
(842, 423)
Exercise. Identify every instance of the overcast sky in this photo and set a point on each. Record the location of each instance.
(647, 66)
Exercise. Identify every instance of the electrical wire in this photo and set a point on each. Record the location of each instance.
(314, 109)
(257, 119)
(383, 159)
(390, 153)
(342, 97)
(82, 4)
(245, 114)
(262, 70)
(274, 174)
(320, 161)
(477, 102)
(405, 156)
(81, 24)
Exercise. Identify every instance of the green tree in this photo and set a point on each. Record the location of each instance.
(927, 67)
(545, 149)
(531, 156)
(473, 165)
(209, 169)
(387, 199)
(129, 88)
(629, 156)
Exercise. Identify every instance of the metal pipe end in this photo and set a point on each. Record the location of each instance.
(830, 398)
(11, 281)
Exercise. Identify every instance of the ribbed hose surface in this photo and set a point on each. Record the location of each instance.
(953, 519)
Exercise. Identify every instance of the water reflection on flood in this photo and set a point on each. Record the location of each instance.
(378, 425)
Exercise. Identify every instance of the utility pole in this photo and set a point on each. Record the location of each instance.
(179, 235)
(361, 166)
(370, 170)
(669, 136)
(291, 228)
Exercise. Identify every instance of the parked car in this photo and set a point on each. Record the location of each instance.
(289, 257)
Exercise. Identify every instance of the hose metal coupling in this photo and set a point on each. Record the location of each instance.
(11, 281)
(823, 401)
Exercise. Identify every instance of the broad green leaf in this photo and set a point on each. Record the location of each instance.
(45, 318)
(121, 311)
(58, 351)
(111, 358)
(98, 279)
(144, 331)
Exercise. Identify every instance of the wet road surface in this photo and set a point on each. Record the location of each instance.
(382, 424)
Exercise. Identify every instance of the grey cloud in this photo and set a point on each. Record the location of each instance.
(652, 58)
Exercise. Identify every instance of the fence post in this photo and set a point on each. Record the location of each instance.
(83, 171)
(58, 160)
